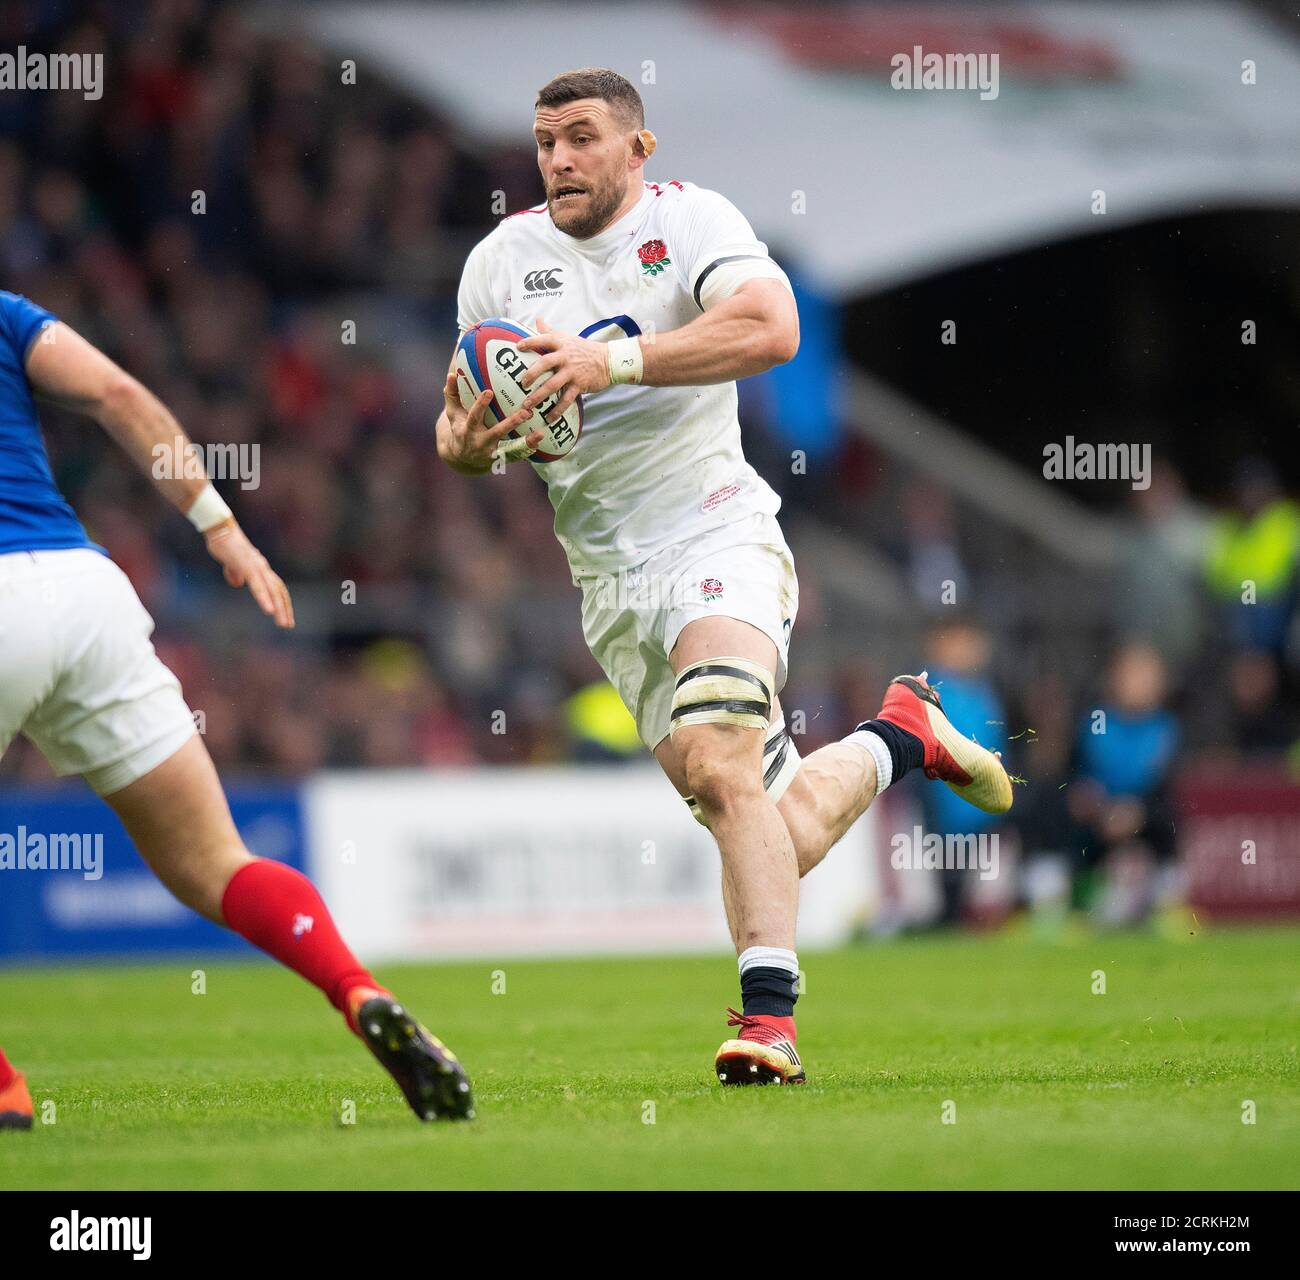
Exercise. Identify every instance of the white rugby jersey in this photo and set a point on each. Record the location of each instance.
(655, 465)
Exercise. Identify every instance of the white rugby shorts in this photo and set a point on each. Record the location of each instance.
(78, 673)
(631, 619)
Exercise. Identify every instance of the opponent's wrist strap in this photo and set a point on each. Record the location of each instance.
(209, 509)
(626, 363)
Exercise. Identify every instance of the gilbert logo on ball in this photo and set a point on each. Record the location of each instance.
(654, 257)
(711, 589)
(488, 359)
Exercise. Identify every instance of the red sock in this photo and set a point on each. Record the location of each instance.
(278, 909)
(7, 1072)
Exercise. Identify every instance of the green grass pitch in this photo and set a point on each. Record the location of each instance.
(1053, 1086)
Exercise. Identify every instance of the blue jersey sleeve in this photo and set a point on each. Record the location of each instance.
(33, 513)
(20, 321)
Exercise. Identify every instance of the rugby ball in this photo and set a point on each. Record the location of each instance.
(488, 359)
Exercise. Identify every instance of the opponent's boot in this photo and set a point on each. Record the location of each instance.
(15, 1104)
(426, 1071)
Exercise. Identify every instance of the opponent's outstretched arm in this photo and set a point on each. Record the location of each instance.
(744, 334)
(67, 370)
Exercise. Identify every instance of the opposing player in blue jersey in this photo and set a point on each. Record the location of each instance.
(80, 678)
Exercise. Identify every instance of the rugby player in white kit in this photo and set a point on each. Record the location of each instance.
(651, 299)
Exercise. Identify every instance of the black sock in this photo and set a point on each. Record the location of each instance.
(906, 750)
(771, 991)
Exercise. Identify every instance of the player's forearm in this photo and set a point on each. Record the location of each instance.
(67, 370)
(743, 335)
(152, 438)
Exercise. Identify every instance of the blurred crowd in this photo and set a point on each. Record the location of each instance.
(274, 249)
(1198, 677)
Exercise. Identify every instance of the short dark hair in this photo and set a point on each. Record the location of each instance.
(594, 82)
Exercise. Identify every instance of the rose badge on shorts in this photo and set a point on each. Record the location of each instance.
(711, 589)
(654, 257)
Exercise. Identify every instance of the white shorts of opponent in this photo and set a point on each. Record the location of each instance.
(631, 621)
(78, 673)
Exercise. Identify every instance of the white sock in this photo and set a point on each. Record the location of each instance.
(769, 958)
(874, 745)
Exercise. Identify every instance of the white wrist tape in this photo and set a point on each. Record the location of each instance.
(626, 363)
(513, 450)
(209, 509)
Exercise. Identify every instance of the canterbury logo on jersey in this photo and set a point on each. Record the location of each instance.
(546, 279)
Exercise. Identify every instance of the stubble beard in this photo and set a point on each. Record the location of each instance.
(602, 203)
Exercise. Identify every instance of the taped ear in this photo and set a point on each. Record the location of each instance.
(647, 142)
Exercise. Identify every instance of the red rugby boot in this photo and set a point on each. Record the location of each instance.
(15, 1104)
(970, 770)
(763, 1053)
